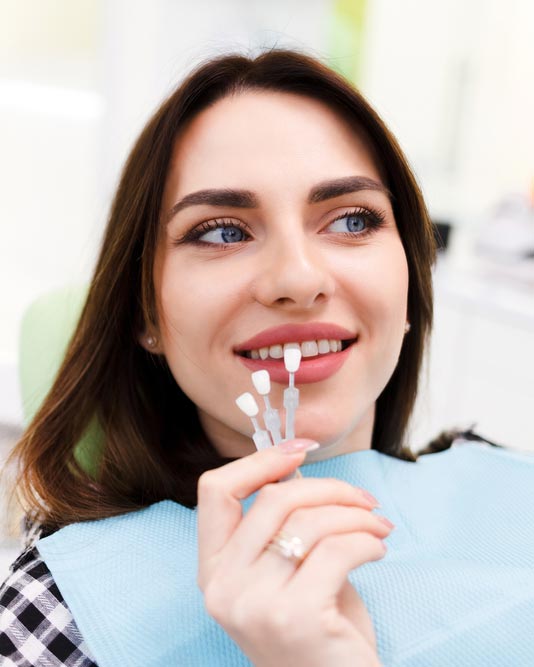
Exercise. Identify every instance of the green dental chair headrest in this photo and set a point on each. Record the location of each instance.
(46, 329)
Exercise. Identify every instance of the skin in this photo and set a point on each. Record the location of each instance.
(295, 267)
(281, 614)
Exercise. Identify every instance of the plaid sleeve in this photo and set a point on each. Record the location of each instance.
(36, 626)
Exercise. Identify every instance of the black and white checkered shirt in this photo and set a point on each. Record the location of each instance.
(36, 626)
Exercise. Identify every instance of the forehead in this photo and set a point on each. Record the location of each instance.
(267, 136)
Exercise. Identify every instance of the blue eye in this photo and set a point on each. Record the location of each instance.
(220, 232)
(350, 222)
(227, 234)
(358, 224)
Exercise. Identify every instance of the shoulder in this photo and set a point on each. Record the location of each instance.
(476, 466)
(456, 438)
(36, 626)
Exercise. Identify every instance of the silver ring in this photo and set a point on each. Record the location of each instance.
(288, 546)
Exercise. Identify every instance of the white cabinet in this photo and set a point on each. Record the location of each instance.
(480, 369)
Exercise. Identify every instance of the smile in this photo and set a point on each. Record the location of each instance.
(308, 348)
(325, 346)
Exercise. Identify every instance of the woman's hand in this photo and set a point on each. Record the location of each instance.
(281, 613)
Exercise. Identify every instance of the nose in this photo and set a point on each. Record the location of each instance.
(293, 273)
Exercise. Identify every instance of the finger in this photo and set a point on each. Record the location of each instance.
(221, 489)
(305, 508)
(324, 571)
(313, 525)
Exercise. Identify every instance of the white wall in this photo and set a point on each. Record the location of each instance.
(455, 81)
(77, 83)
(79, 79)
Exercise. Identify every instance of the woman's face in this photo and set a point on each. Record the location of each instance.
(290, 248)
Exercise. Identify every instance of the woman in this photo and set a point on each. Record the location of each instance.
(265, 203)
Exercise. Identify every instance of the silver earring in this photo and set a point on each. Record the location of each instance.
(151, 341)
(407, 327)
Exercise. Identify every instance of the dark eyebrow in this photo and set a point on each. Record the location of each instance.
(343, 186)
(223, 197)
(247, 199)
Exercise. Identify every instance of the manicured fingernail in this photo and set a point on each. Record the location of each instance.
(385, 521)
(297, 446)
(370, 498)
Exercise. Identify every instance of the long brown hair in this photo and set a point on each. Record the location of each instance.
(147, 443)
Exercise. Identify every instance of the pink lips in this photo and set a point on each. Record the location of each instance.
(295, 333)
(313, 369)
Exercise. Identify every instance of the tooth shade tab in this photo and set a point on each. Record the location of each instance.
(292, 357)
(291, 346)
(261, 382)
(247, 404)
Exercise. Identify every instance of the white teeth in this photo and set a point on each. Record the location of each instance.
(276, 351)
(309, 348)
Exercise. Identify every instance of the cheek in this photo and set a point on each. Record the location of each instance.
(394, 299)
(378, 287)
(196, 303)
(395, 277)
(178, 308)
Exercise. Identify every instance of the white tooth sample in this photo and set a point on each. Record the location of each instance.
(292, 358)
(324, 346)
(276, 351)
(339, 345)
(254, 354)
(333, 345)
(264, 352)
(261, 382)
(309, 348)
(291, 346)
(247, 404)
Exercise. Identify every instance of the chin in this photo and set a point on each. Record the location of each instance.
(351, 432)
(325, 435)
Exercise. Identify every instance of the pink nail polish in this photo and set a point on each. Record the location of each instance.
(385, 521)
(297, 446)
(370, 499)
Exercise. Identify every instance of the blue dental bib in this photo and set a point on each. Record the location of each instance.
(455, 589)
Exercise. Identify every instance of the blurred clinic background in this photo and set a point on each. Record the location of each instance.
(454, 79)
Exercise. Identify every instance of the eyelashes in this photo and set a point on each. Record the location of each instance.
(373, 218)
(238, 232)
(194, 235)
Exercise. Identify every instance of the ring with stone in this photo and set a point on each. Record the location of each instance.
(289, 546)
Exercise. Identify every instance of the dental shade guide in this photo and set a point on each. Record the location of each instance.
(292, 357)
(247, 404)
(262, 384)
(271, 418)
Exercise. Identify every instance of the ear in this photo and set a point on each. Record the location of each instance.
(150, 342)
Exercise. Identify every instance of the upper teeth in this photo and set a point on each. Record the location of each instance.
(308, 348)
